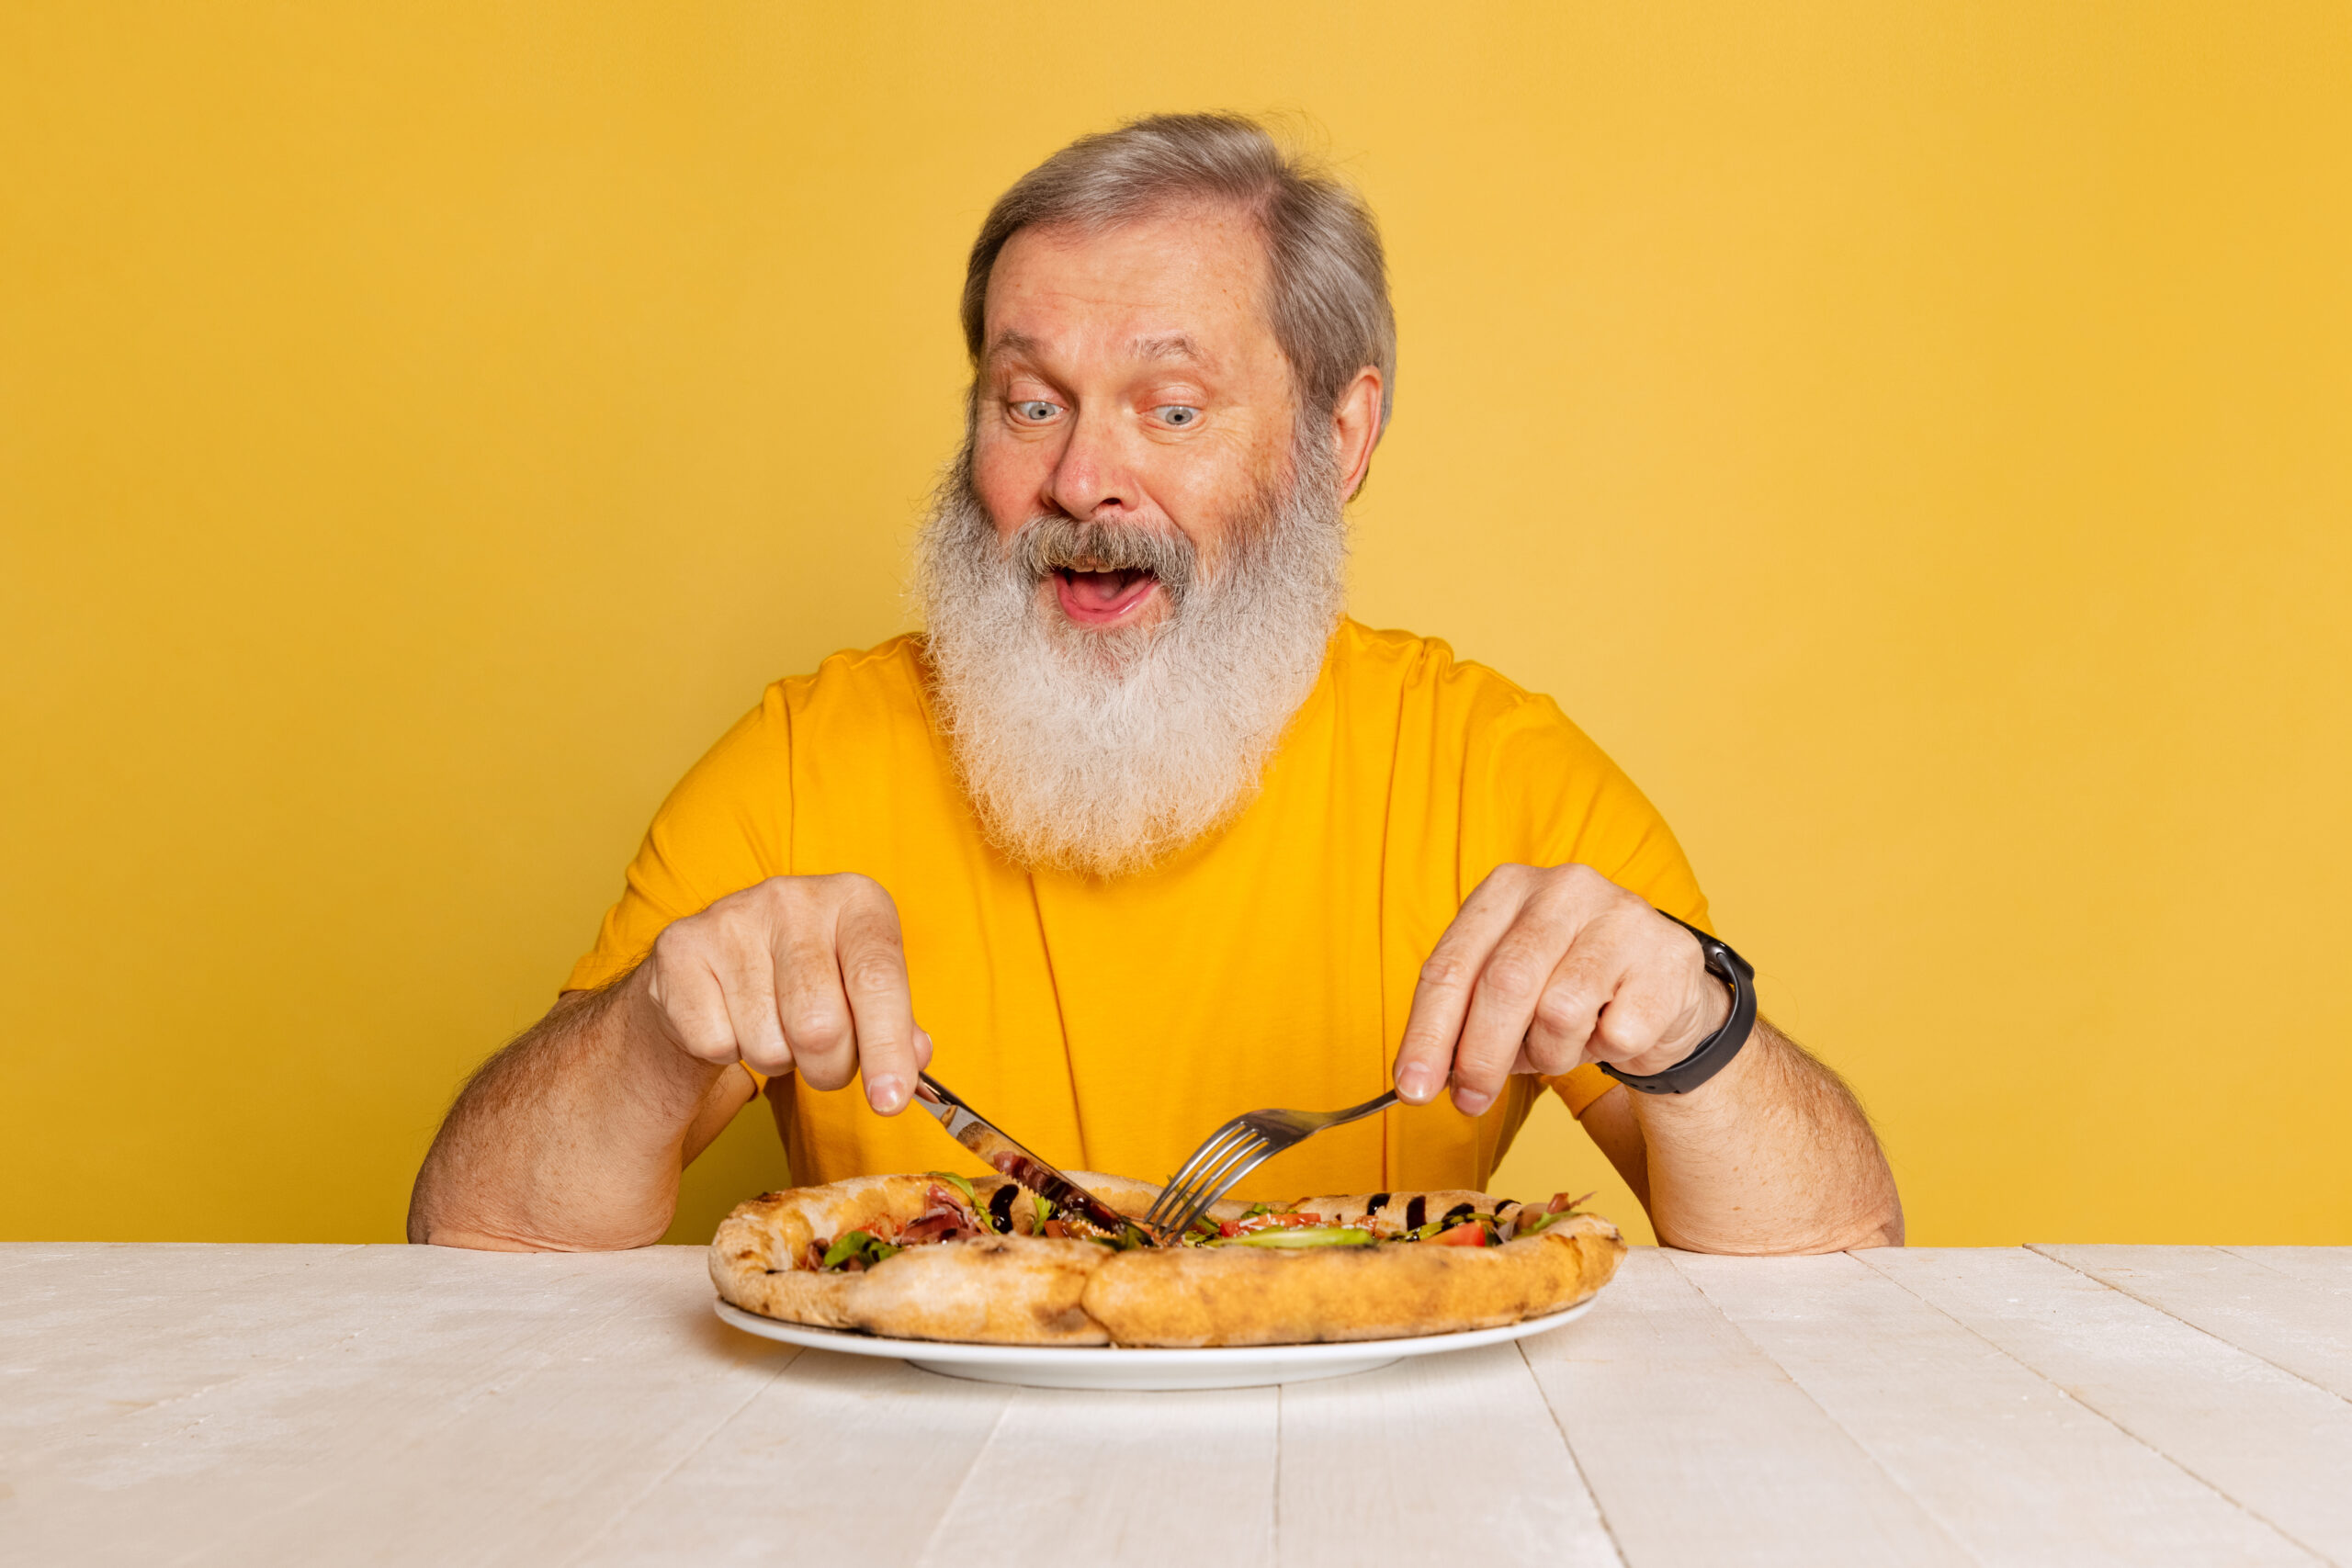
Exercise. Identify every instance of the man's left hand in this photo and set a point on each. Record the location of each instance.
(1544, 968)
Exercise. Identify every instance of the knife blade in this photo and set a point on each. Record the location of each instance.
(1006, 1157)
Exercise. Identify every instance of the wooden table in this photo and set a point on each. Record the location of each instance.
(328, 1404)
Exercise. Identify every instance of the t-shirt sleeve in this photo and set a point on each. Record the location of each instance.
(726, 827)
(1549, 797)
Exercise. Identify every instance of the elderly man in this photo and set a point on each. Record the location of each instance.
(1143, 831)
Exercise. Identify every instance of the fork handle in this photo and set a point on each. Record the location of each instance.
(1358, 1112)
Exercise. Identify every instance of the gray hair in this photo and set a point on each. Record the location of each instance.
(1330, 290)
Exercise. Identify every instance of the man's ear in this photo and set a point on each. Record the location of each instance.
(1356, 429)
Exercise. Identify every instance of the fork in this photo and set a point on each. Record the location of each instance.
(1235, 1149)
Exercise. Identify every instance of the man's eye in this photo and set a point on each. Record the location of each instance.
(1178, 415)
(1037, 410)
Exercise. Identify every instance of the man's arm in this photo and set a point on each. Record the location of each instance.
(1548, 967)
(1780, 1160)
(572, 1138)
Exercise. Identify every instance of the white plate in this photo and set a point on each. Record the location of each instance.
(1108, 1366)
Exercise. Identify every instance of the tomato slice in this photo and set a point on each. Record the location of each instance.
(1472, 1235)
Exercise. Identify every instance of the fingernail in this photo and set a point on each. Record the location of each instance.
(887, 1094)
(1470, 1101)
(1417, 1083)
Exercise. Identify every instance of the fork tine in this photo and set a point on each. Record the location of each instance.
(1246, 1159)
(1211, 1147)
(1227, 1168)
(1201, 1154)
(1178, 1198)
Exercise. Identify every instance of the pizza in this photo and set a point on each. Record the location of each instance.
(985, 1260)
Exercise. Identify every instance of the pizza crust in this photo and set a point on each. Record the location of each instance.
(1035, 1289)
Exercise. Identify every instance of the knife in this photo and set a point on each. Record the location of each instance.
(1004, 1157)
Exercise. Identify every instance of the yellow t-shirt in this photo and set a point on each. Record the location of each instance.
(1110, 1024)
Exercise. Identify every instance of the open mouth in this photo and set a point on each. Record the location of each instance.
(1097, 598)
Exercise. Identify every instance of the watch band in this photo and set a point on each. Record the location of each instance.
(1716, 1052)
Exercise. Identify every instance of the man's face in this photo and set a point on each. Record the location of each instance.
(1130, 379)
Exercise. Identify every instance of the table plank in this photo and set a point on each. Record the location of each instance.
(2287, 1321)
(1700, 1449)
(100, 1331)
(216, 1404)
(502, 1409)
(1085, 1478)
(2278, 1446)
(2330, 1268)
(2015, 1470)
(1452, 1459)
(840, 1459)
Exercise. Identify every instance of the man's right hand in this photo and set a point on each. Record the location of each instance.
(797, 974)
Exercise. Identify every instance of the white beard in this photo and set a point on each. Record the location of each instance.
(1103, 751)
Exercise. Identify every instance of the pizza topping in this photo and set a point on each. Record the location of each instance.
(954, 1211)
(999, 1209)
(1304, 1235)
(856, 1251)
(961, 1183)
(1562, 1207)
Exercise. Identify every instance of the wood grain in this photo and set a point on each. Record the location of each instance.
(213, 1405)
(2009, 1465)
(2329, 1268)
(2291, 1323)
(1080, 1478)
(1386, 1456)
(2277, 1445)
(1700, 1449)
(839, 1459)
(475, 1407)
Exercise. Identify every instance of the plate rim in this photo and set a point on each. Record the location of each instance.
(1139, 1358)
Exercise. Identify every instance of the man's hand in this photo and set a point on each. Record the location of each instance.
(574, 1135)
(1544, 969)
(797, 973)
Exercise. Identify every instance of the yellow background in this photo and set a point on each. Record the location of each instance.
(1915, 440)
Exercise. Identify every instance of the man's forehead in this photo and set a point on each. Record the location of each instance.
(1173, 289)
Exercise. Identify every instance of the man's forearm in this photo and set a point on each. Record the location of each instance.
(1771, 1156)
(572, 1137)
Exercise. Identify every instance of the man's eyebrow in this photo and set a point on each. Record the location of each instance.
(1011, 343)
(1174, 345)
(1167, 347)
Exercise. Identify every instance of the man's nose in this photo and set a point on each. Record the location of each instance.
(1093, 477)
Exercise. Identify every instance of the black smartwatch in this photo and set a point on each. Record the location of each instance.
(1716, 1052)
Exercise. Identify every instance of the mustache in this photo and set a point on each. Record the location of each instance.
(1047, 545)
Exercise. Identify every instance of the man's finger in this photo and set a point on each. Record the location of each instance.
(816, 1016)
(692, 1005)
(749, 984)
(1580, 986)
(1502, 1006)
(1659, 1013)
(1442, 998)
(873, 978)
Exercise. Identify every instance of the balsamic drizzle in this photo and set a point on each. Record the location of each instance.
(1000, 1208)
(1371, 1206)
(1417, 1210)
